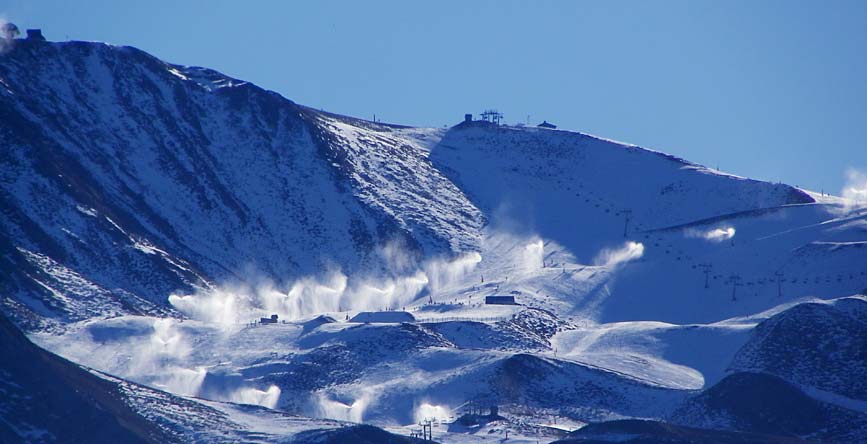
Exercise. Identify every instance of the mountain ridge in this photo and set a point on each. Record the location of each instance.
(112, 91)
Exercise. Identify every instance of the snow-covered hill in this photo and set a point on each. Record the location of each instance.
(761, 403)
(634, 431)
(820, 346)
(47, 399)
(150, 211)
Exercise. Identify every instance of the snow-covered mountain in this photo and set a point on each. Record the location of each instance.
(151, 211)
(126, 178)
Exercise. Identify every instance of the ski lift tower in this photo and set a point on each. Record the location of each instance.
(493, 116)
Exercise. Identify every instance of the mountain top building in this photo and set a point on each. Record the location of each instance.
(35, 34)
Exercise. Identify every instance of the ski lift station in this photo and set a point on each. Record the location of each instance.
(271, 320)
(500, 300)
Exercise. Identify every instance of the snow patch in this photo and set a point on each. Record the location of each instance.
(177, 74)
(85, 210)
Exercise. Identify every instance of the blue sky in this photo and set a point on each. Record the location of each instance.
(773, 90)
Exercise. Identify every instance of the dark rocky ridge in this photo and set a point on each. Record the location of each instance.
(48, 399)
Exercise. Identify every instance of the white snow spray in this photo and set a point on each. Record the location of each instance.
(7, 41)
(442, 274)
(397, 257)
(220, 305)
(515, 254)
(325, 407)
(248, 395)
(533, 257)
(720, 234)
(612, 257)
(717, 234)
(854, 192)
(426, 410)
(158, 360)
(331, 292)
(161, 358)
(180, 380)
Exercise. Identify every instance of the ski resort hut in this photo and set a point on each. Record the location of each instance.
(35, 34)
(271, 320)
(468, 118)
(383, 317)
(500, 300)
(545, 124)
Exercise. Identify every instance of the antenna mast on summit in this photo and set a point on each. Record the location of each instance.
(492, 115)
